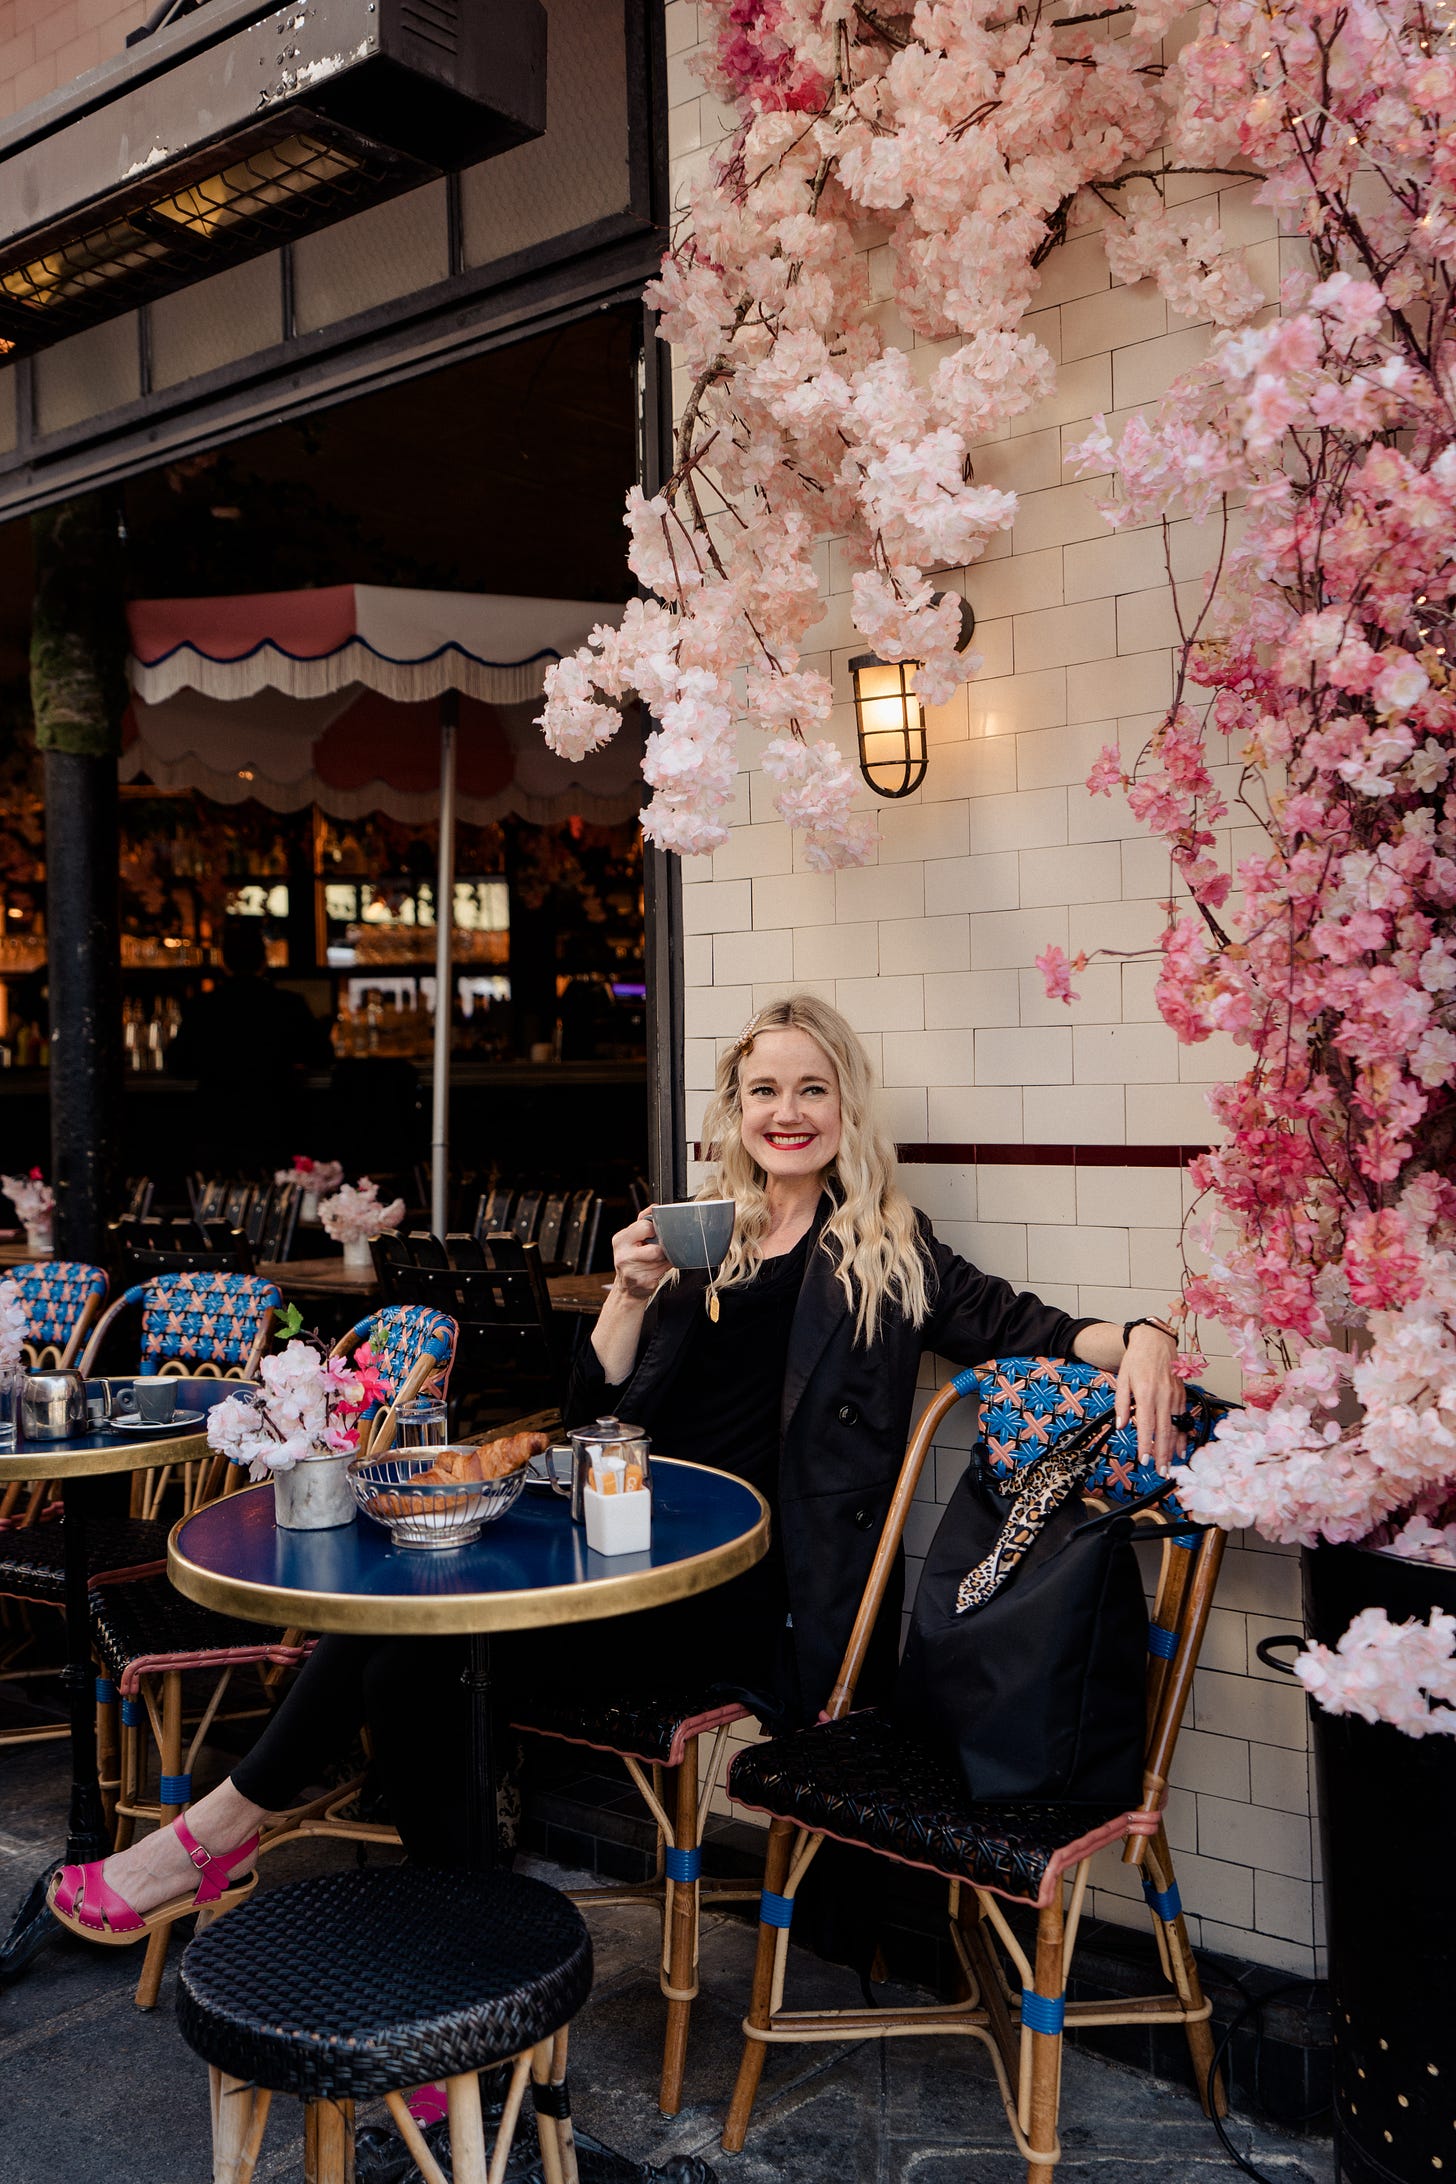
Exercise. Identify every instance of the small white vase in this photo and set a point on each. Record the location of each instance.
(39, 1236)
(357, 1256)
(308, 1209)
(313, 1496)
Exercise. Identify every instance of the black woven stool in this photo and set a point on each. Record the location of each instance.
(366, 1983)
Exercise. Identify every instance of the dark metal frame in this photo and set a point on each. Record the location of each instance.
(593, 267)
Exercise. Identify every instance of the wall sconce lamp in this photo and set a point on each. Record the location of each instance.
(890, 719)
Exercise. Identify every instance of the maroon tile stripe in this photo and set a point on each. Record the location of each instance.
(1041, 1156)
(1051, 1156)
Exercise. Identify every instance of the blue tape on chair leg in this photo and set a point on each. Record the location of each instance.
(175, 1789)
(1166, 1902)
(1162, 1643)
(1042, 2012)
(133, 1714)
(684, 1865)
(967, 1381)
(105, 1691)
(775, 1910)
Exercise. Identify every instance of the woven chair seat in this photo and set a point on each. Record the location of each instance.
(33, 1561)
(653, 1726)
(362, 1983)
(867, 1781)
(145, 1627)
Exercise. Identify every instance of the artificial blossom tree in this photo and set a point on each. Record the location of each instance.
(1312, 693)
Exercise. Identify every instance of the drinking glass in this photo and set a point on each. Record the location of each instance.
(10, 1384)
(424, 1423)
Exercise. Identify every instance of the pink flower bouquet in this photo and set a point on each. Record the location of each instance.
(307, 1406)
(316, 1178)
(33, 1199)
(14, 1327)
(354, 1213)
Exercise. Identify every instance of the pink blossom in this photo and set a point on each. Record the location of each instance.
(1056, 971)
(14, 1325)
(32, 1198)
(1403, 1673)
(354, 1214)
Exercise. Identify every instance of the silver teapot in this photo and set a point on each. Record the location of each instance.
(52, 1406)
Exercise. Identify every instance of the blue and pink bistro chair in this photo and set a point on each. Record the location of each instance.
(61, 1298)
(413, 1348)
(209, 1325)
(865, 1779)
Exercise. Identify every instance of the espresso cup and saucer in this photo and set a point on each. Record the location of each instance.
(149, 1404)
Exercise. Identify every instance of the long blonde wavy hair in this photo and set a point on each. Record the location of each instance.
(870, 1232)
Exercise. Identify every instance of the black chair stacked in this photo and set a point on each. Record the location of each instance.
(507, 1361)
(565, 1225)
(350, 1986)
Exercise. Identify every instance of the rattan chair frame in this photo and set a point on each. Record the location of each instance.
(1027, 2062)
(679, 1799)
(240, 2115)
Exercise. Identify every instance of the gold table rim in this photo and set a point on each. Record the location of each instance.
(52, 1460)
(392, 1615)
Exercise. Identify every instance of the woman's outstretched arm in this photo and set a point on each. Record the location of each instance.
(975, 1316)
(641, 1264)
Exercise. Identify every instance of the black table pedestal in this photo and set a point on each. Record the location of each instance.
(482, 1826)
(86, 1836)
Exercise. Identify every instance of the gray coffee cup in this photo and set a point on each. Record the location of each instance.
(156, 1401)
(695, 1232)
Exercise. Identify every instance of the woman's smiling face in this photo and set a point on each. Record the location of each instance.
(789, 1093)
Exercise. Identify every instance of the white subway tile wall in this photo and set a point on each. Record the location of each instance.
(930, 952)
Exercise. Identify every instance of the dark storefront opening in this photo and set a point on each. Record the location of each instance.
(502, 474)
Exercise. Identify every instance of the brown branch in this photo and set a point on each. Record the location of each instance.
(873, 20)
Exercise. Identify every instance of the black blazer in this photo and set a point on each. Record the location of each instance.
(845, 1421)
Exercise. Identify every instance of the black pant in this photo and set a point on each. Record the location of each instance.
(409, 1692)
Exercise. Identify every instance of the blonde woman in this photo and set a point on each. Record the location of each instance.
(796, 1368)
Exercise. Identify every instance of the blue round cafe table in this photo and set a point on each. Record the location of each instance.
(529, 1568)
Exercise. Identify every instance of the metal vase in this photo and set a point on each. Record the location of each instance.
(313, 1496)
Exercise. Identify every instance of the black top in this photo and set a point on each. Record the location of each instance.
(724, 1407)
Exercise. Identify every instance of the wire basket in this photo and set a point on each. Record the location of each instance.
(432, 1513)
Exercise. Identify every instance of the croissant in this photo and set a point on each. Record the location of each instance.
(490, 1460)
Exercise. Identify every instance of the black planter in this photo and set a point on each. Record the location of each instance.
(1388, 1825)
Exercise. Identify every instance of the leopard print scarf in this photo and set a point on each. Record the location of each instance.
(1044, 1485)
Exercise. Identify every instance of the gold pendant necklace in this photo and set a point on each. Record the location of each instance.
(713, 1306)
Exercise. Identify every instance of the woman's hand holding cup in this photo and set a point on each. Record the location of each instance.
(640, 1260)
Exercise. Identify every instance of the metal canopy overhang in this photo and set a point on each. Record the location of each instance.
(240, 126)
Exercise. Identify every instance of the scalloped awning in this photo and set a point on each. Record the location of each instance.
(332, 697)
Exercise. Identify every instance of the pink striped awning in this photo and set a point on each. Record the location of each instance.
(332, 697)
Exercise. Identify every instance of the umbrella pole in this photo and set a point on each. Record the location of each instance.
(444, 991)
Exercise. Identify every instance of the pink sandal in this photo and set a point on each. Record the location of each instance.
(91, 1907)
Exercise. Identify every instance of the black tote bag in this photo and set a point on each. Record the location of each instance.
(1035, 1686)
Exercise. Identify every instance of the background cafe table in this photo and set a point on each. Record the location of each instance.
(74, 1463)
(529, 1568)
(582, 1294)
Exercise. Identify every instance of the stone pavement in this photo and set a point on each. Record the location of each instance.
(93, 2091)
